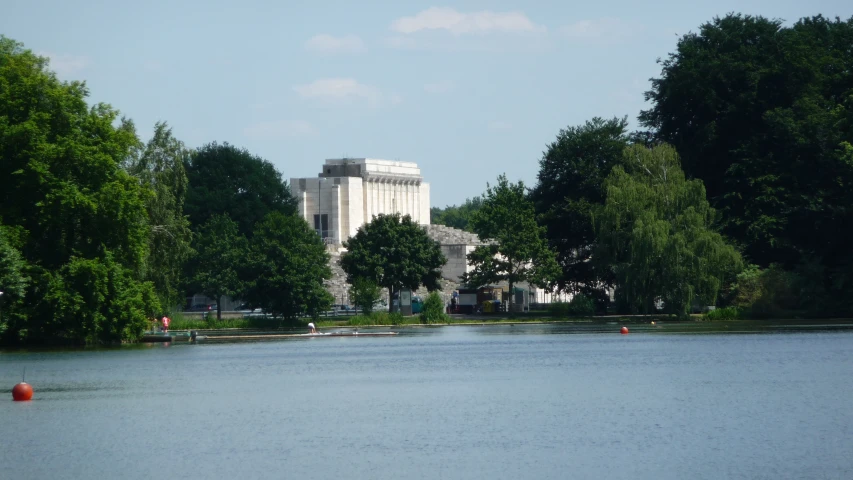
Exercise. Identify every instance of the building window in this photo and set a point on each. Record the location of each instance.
(322, 230)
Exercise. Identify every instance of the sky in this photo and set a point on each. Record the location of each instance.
(468, 90)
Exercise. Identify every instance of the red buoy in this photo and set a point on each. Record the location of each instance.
(624, 331)
(22, 392)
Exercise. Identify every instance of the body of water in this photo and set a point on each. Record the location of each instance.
(462, 402)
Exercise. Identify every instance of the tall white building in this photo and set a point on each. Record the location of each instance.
(350, 191)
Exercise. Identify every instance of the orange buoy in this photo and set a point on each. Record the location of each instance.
(22, 392)
(624, 331)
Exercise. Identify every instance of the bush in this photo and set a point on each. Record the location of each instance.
(772, 292)
(377, 318)
(580, 305)
(728, 313)
(433, 311)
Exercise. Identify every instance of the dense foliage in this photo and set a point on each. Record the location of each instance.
(456, 216)
(655, 233)
(218, 267)
(433, 310)
(516, 249)
(570, 185)
(159, 166)
(287, 268)
(79, 221)
(226, 180)
(763, 114)
(364, 293)
(394, 252)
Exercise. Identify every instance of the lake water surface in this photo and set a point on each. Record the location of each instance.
(461, 402)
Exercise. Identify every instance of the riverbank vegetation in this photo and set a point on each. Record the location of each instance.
(737, 193)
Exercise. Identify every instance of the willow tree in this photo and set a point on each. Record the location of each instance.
(160, 169)
(516, 249)
(655, 234)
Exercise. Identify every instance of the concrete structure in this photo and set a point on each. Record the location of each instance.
(455, 245)
(349, 192)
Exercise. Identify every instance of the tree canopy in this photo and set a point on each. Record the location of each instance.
(655, 233)
(394, 252)
(569, 187)
(159, 166)
(763, 115)
(80, 219)
(287, 268)
(221, 253)
(224, 179)
(517, 250)
(456, 216)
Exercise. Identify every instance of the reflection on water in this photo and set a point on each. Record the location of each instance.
(510, 401)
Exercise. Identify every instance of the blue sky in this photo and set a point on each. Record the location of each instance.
(468, 90)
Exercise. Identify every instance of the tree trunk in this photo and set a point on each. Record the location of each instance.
(509, 305)
(219, 308)
(391, 308)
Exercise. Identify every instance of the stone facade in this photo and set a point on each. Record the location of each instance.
(349, 192)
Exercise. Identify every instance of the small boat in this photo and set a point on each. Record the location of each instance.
(348, 334)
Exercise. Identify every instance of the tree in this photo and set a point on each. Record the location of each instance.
(224, 179)
(569, 187)
(13, 277)
(364, 294)
(394, 253)
(221, 256)
(80, 218)
(160, 169)
(516, 249)
(763, 115)
(655, 234)
(288, 265)
(456, 217)
(433, 311)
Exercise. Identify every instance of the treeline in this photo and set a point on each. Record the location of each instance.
(739, 192)
(100, 232)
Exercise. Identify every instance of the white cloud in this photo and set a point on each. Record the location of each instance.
(608, 28)
(499, 125)
(458, 23)
(64, 64)
(343, 90)
(279, 128)
(329, 44)
(439, 87)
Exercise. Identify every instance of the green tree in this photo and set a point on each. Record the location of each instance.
(13, 277)
(160, 169)
(364, 294)
(81, 218)
(655, 233)
(516, 249)
(456, 216)
(570, 185)
(288, 266)
(763, 115)
(394, 252)
(221, 256)
(224, 179)
(433, 311)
